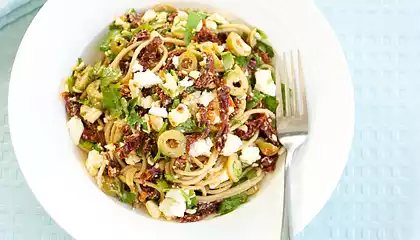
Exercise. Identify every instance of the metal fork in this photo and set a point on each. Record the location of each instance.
(292, 123)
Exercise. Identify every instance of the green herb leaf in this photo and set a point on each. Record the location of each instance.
(193, 20)
(128, 197)
(228, 60)
(162, 184)
(111, 100)
(189, 126)
(232, 203)
(190, 89)
(133, 118)
(271, 103)
(258, 59)
(242, 60)
(88, 146)
(262, 34)
(107, 75)
(251, 174)
(265, 47)
(158, 156)
(169, 177)
(145, 26)
(190, 198)
(105, 46)
(175, 104)
(257, 98)
(143, 124)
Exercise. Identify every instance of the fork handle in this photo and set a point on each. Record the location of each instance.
(286, 231)
(291, 143)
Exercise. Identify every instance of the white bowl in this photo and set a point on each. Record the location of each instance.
(60, 34)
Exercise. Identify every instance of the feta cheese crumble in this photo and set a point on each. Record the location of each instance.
(174, 204)
(206, 98)
(265, 83)
(75, 126)
(233, 143)
(179, 115)
(91, 114)
(201, 148)
(146, 79)
(94, 162)
(250, 155)
(159, 112)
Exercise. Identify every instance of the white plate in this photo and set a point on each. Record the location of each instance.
(59, 35)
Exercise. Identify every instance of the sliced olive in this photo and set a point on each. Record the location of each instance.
(234, 78)
(252, 40)
(94, 95)
(234, 167)
(172, 143)
(237, 45)
(188, 62)
(111, 186)
(267, 148)
(118, 44)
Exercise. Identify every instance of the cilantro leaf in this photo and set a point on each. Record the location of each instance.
(232, 203)
(189, 126)
(143, 124)
(258, 59)
(133, 118)
(128, 197)
(257, 98)
(193, 20)
(111, 99)
(242, 60)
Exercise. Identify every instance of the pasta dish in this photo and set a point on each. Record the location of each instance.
(178, 116)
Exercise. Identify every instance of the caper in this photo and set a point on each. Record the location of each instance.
(172, 143)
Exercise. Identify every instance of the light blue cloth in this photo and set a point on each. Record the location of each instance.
(10, 10)
(378, 196)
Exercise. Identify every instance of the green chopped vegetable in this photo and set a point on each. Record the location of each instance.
(133, 118)
(187, 166)
(88, 146)
(145, 26)
(106, 45)
(169, 177)
(164, 127)
(111, 99)
(193, 20)
(228, 60)
(112, 186)
(232, 203)
(190, 89)
(70, 83)
(158, 156)
(242, 60)
(162, 185)
(255, 100)
(189, 126)
(107, 75)
(128, 197)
